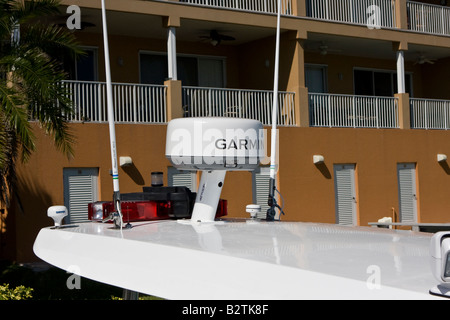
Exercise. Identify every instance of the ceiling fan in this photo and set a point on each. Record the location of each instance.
(422, 60)
(216, 38)
(322, 47)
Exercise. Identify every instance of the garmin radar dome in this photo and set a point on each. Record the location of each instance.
(214, 145)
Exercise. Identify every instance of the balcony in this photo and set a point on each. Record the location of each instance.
(428, 18)
(133, 103)
(349, 111)
(237, 103)
(145, 104)
(421, 17)
(430, 114)
(354, 11)
(260, 6)
(148, 104)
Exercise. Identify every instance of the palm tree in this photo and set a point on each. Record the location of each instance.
(30, 83)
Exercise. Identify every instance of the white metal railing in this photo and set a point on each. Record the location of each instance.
(430, 114)
(372, 13)
(238, 103)
(264, 6)
(339, 110)
(138, 103)
(428, 18)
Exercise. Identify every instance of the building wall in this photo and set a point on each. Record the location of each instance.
(307, 189)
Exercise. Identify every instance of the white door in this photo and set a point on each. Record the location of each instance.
(345, 194)
(80, 188)
(260, 192)
(407, 196)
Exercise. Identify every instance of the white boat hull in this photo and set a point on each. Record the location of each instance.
(245, 260)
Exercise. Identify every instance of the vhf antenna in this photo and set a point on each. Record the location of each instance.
(116, 216)
(273, 165)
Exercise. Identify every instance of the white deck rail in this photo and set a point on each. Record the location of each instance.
(136, 103)
(430, 114)
(428, 18)
(238, 103)
(375, 13)
(264, 6)
(338, 110)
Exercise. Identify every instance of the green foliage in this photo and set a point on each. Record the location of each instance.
(51, 284)
(31, 71)
(18, 293)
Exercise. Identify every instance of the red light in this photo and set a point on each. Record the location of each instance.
(131, 210)
(141, 210)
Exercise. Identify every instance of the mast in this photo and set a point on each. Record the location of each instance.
(273, 165)
(117, 216)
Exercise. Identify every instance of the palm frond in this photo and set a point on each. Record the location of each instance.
(24, 11)
(15, 117)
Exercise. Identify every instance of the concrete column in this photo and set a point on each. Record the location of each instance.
(401, 71)
(174, 99)
(404, 114)
(299, 8)
(296, 82)
(401, 14)
(172, 53)
(171, 23)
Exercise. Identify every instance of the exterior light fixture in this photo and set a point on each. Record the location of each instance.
(317, 158)
(441, 157)
(125, 161)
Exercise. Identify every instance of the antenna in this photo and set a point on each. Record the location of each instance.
(117, 215)
(273, 165)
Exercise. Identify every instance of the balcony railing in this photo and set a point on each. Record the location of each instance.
(428, 18)
(264, 6)
(250, 104)
(372, 13)
(430, 114)
(338, 110)
(136, 103)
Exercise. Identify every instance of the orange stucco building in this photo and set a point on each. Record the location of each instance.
(372, 100)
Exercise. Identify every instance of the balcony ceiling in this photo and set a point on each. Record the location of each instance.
(146, 26)
(369, 48)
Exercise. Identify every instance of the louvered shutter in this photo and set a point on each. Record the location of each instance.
(80, 188)
(261, 182)
(180, 178)
(344, 176)
(406, 173)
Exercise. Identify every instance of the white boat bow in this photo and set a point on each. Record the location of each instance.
(245, 259)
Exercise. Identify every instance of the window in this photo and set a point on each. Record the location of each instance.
(86, 66)
(192, 70)
(378, 82)
(316, 78)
